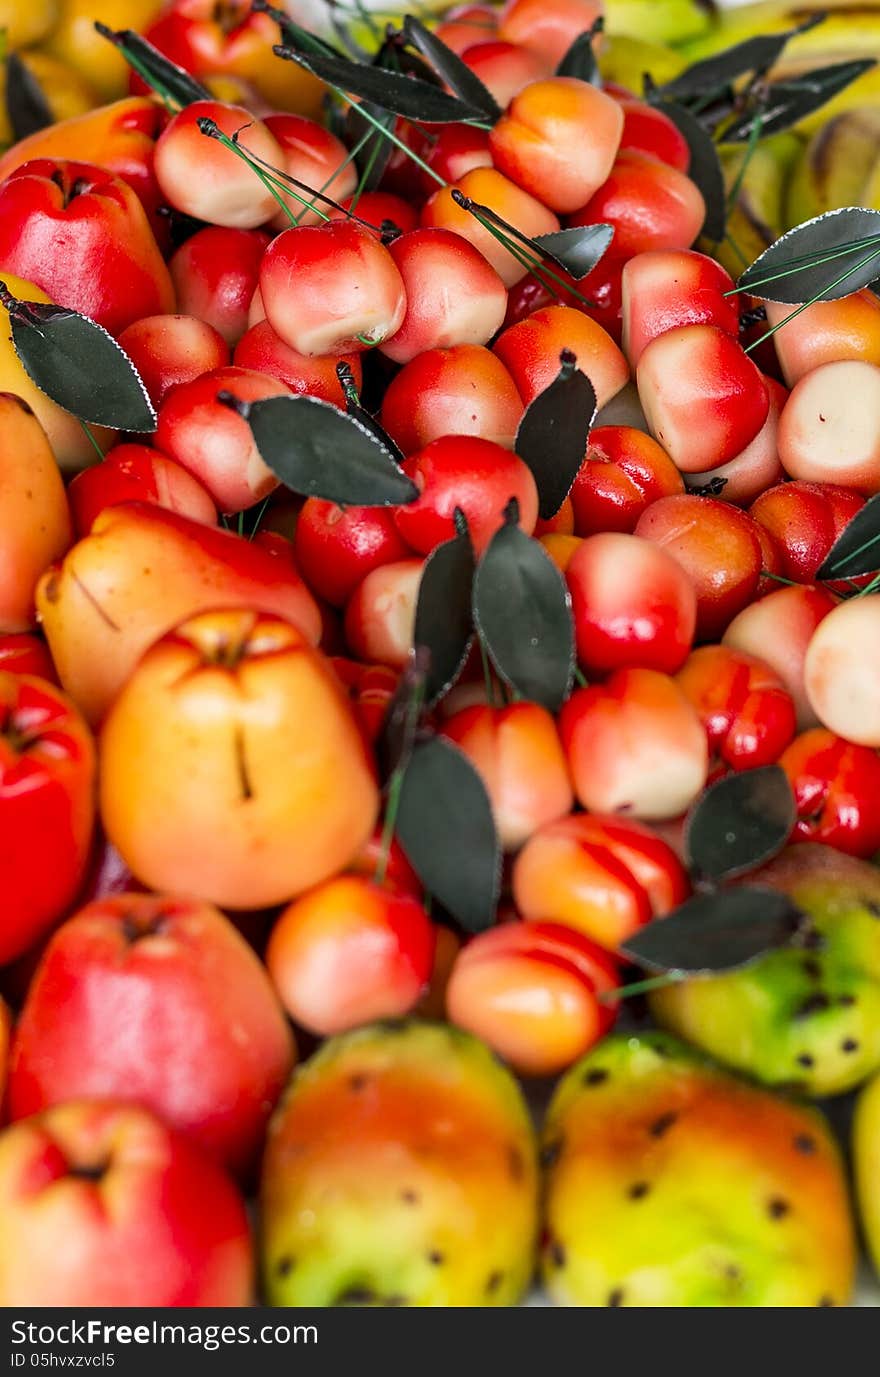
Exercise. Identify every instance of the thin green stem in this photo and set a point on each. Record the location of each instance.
(819, 296)
(349, 158)
(89, 433)
(654, 982)
(258, 519)
(778, 578)
(751, 146)
(392, 808)
(729, 239)
(579, 678)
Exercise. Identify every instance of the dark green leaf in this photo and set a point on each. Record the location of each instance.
(857, 549)
(157, 71)
(711, 74)
(576, 250)
(580, 60)
(522, 612)
(785, 103)
(457, 75)
(446, 828)
(26, 105)
(553, 434)
(716, 932)
(319, 451)
(444, 620)
(705, 169)
(740, 822)
(406, 96)
(403, 716)
(821, 260)
(395, 56)
(81, 367)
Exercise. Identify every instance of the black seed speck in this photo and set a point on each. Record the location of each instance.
(806, 1060)
(873, 908)
(436, 1258)
(777, 1208)
(494, 1281)
(409, 1197)
(550, 1154)
(285, 1266)
(557, 1254)
(595, 1076)
(638, 1190)
(849, 1045)
(615, 1298)
(814, 1004)
(812, 968)
(812, 940)
(805, 1144)
(825, 1300)
(357, 1082)
(846, 1000)
(732, 1272)
(662, 1125)
(357, 1295)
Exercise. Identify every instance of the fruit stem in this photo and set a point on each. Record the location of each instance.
(392, 808)
(211, 130)
(751, 146)
(88, 432)
(580, 679)
(654, 982)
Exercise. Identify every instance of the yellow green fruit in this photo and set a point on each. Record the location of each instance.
(866, 1165)
(804, 1017)
(400, 1169)
(673, 1183)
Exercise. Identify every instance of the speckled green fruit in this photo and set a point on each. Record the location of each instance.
(866, 1165)
(400, 1170)
(671, 1182)
(803, 1017)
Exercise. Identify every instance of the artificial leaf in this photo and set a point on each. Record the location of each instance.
(319, 451)
(740, 822)
(154, 67)
(782, 104)
(404, 95)
(823, 259)
(857, 549)
(576, 250)
(711, 74)
(554, 431)
(446, 828)
(580, 60)
(444, 620)
(456, 74)
(522, 613)
(705, 168)
(403, 715)
(80, 366)
(716, 932)
(26, 104)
